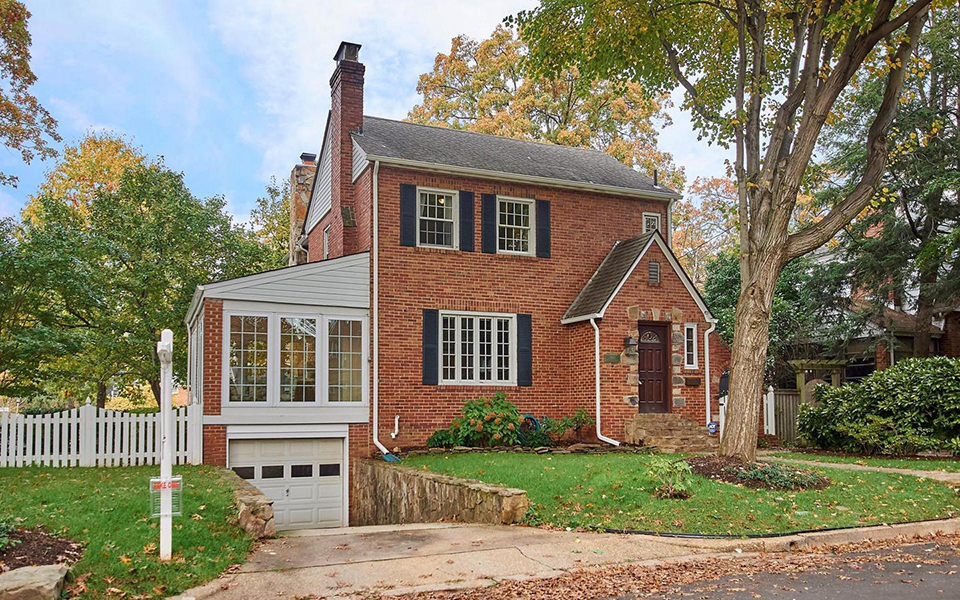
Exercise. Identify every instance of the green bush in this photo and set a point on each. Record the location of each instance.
(488, 422)
(911, 407)
(7, 527)
(674, 478)
(442, 438)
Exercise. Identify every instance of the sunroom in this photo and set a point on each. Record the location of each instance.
(280, 362)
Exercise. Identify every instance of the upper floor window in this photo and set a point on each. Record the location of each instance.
(515, 226)
(651, 222)
(248, 358)
(326, 242)
(477, 348)
(436, 218)
(690, 346)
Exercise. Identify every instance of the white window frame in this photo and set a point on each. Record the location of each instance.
(455, 195)
(656, 216)
(273, 358)
(687, 329)
(476, 349)
(532, 250)
(326, 242)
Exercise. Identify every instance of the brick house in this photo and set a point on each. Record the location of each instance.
(442, 265)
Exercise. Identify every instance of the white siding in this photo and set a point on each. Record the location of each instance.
(343, 282)
(359, 160)
(320, 203)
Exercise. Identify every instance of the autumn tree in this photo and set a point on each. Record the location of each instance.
(764, 77)
(704, 224)
(270, 219)
(482, 86)
(25, 125)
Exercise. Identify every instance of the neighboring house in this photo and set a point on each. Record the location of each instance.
(441, 266)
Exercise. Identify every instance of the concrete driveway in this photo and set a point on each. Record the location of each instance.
(399, 559)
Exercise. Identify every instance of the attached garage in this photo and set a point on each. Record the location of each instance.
(303, 476)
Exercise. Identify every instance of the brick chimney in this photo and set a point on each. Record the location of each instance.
(346, 116)
(301, 182)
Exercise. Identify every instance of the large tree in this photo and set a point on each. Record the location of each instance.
(482, 85)
(904, 248)
(765, 77)
(25, 125)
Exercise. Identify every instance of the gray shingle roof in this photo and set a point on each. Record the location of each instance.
(455, 148)
(604, 282)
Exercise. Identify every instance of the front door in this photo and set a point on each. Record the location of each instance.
(653, 367)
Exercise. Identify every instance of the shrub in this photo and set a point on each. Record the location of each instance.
(581, 418)
(674, 478)
(488, 422)
(910, 407)
(780, 477)
(7, 527)
(442, 438)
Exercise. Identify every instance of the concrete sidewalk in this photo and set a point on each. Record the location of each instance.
(405, 558)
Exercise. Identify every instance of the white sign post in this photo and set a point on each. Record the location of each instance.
(165, 353)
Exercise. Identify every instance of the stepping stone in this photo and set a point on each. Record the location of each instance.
(33, 583)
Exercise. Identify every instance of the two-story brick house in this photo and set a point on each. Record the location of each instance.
(444, 265)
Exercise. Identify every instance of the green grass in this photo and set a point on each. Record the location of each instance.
(614, 490)
(107, 510)
(918, 464)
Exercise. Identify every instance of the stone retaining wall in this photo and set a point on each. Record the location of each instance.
(390, 494)
(254, 509)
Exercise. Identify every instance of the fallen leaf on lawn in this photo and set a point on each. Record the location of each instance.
(125, 560)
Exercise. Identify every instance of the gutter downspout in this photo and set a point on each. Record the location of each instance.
(376, 311)
(706, 365)
(596, 372)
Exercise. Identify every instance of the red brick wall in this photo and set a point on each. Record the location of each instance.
(214, 436)
(584, 227)
(346, 116)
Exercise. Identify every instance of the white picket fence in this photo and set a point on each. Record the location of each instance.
(93, 437)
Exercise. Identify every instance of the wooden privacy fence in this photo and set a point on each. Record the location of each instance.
(786, 407)
(94, 437)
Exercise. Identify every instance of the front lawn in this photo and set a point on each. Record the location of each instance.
(107, 510)
(615, 490)
(918, 464)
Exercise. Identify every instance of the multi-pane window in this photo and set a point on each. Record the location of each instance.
(690, 345)
(248, 358)
(436, 219)
(476, 348)
(651, 222)
(298, 360)
(514, 225)
(345, 355)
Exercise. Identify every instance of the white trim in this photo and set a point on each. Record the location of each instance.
(688, 327)
(656, 237)
(669, 235)
(476, 348)
(514, 177)
(657, 216)
(455, 198)
(375, 264)
(706, 366)
(532, 241)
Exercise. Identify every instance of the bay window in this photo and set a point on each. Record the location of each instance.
(477, 348)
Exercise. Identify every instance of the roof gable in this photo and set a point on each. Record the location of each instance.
(614, 271)
(455, 150)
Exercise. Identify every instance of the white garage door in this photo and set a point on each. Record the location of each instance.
(303, 477)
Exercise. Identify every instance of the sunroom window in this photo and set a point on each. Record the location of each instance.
(298, 360)
(477, 349)
(248, 358)
(345, 360)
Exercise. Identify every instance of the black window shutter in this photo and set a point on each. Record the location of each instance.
(408, 214)
(543, 228)
(488, 223)
(524, 351)
(431, 333)
(466, 221)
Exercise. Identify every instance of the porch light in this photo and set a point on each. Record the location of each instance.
(630, 343)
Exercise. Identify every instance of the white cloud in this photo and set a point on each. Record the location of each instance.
(287, 53)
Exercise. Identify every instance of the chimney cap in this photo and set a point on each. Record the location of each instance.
(308, 157)
(347, 51)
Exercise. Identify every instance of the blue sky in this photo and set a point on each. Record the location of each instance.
(231, 92)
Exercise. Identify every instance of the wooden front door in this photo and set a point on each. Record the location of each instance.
(653, 367)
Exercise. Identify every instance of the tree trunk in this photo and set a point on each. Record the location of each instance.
(751, 338)
(922, 333)
(155, 388)
(101, 394)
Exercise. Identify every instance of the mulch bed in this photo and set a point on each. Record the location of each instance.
(730, 470)
(38, 548)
